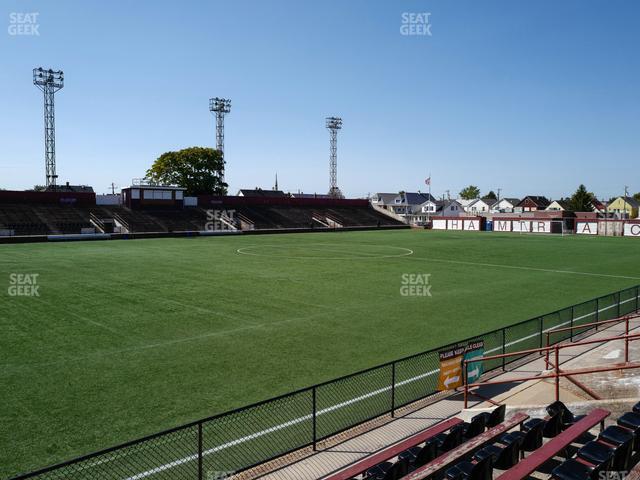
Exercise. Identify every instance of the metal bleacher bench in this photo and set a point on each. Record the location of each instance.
(556, 445)
(452, 457)
(393, 450)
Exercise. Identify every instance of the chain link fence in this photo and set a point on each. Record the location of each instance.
(221, 446)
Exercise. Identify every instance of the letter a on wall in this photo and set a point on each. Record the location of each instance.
(450, 368)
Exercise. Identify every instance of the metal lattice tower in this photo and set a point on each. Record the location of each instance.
(333, 124)
(220, 106)
(49, 82)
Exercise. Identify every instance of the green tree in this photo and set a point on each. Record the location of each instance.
(492, 195)
(581, 200)
(470, 192)
(637, 196)
(198, 169)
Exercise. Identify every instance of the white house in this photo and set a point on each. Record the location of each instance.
(558, 206)
(433, 209)
(405, 204)
(465, 203)
(505, 205)
(480, 206)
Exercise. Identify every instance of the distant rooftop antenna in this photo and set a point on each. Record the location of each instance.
(333, 124)
(220, 107)
(49, 82)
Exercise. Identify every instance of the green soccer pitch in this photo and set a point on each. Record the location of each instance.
(126, 338)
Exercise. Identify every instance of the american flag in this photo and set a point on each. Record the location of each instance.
(428, 181)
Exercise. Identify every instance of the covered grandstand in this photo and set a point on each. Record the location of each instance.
(69, 213)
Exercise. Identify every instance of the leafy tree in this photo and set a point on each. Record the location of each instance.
(637, 196)
(581, 200)
(470, 192)
(39, 188)
(198, 169)
(492, 195)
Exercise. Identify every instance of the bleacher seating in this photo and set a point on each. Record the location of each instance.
(35, 219)
(267, 217)
(445, 451)
(45, 219)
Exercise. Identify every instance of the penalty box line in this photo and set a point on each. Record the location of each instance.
(338, 406)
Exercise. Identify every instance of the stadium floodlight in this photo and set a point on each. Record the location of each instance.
(220, 107)
(333, 125)
(49, 82)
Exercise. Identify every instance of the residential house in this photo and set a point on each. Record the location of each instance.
(598, 206)
(480, 206)
(533, 203)
(561, 205)
(625, 207)
(505, 205)
(465, 203)
(404, 204)
(438, 208)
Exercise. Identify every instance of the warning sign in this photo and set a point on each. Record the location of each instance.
(474, 369)
(450, 368)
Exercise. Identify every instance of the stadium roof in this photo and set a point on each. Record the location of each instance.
(258, 192)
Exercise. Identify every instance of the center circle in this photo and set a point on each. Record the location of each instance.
(325, 251)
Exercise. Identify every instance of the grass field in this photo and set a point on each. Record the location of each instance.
(130, 337)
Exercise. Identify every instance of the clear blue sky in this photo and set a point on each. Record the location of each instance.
(532, 97)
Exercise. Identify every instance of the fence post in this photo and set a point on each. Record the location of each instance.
(314, 415)
(393, 389)
(619, 298)
(557, 372)
(465, 380)
(504, 347)
(597, 312)
(541, 330)
(200, 473)
(573, 315)
(626, 340)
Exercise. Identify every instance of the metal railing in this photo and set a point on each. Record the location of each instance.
(556, 372)
(241, 439)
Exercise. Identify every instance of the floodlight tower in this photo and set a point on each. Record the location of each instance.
(49, 82)
(333, 125)
(220, 106)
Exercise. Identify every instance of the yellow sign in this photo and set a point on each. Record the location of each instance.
(450, 368)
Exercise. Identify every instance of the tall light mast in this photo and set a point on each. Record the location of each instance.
(49, 82)
(333, 125)
(220, 107)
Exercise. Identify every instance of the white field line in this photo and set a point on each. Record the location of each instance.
(337, 406)
(518, 267)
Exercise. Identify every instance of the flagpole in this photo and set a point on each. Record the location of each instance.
(429, 218)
